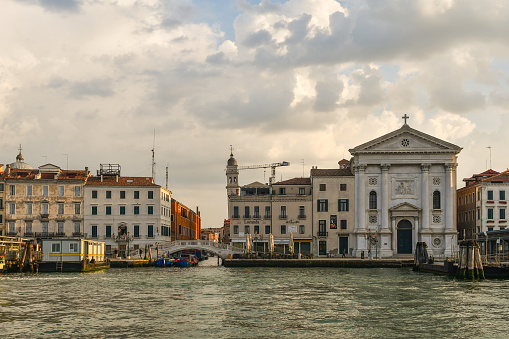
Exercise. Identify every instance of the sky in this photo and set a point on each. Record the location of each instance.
(86, 82)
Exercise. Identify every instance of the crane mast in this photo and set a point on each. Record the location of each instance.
(271, 166)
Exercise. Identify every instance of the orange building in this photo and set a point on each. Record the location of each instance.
(185, 223)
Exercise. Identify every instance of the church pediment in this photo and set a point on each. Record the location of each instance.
(406, 140)
(404, 206)
(49, 168)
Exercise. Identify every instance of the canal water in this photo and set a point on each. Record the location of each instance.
(216, 302)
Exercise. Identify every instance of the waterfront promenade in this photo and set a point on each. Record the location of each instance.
(320, 262)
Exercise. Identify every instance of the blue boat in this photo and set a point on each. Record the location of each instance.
(186, 260)
(164, 262)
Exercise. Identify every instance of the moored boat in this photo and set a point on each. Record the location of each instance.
(164, 262)
(186, 260)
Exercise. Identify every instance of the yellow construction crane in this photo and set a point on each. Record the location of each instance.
(272, 169)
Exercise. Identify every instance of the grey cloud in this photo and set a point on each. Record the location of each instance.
(258, 38)
(56, 5)
(455, 99)
(264, 7)
(217, 58)
(96, 87)
(327, 95)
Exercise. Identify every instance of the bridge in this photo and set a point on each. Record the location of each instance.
(221, 250)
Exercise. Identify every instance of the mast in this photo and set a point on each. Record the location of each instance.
(153, 157)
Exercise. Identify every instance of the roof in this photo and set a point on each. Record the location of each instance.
(480, 176)
(255, 184)
(294, 181)
(31, 174)
(120, 181)
(504, 176)
(343, 172)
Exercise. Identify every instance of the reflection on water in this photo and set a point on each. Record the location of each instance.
(217, 302)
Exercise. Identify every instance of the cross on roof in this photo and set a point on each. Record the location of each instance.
(231, 150)
(20, 149)
(405, 117)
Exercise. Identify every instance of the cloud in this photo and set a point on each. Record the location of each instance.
(56, 6)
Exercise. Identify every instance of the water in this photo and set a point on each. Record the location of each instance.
(217, 302)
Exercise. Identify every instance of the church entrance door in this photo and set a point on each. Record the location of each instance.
(404, 237)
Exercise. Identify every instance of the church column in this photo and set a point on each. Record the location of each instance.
(425, 196)
(384, 206)
(416, 233)
(449, 196)
(394, 235)
(361, 212)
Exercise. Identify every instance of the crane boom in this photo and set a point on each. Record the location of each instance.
(271, 166)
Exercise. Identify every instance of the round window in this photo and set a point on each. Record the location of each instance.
(405, 142)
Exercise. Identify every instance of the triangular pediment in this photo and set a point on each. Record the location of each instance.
(404, 206)
(255, 184)
(49, 168)
(406, 140)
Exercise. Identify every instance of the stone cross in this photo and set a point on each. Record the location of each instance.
(405, 117)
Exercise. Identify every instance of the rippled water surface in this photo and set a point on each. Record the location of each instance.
(217, 302)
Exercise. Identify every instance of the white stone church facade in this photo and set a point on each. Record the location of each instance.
(405, 191)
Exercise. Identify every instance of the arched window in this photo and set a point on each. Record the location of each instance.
(372, 200)
(436, 200)
(230, 180)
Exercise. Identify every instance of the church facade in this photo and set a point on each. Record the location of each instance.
(405, 191)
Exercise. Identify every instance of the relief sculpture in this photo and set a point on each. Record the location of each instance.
(405, 188)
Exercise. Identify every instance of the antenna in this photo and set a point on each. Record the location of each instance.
(302, 160)
(490, 155)
(166, 176)
(67, 156)
(154, 157)
(45, 157)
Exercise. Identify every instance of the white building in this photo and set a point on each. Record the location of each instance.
(405, 189)
(126, 213)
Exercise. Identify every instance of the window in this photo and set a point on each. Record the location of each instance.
(323, 187)
(77, 191)
(122, 194)
(323, 205)
(28, 227)
(342, 187)
(136, 231)
(267, 229)
(94, 210)
(73, 247)
(235, 229)
(322, 230)
(236, 212)
(60, 191)
(256, 212)
(502, 213)
(136, 194)
(282, 191)
(45, 208)
(490, 229)
(502, 195)
(122, 210)
(302, 229)
(55, 247)
(302, 212)
(490, 213)
(108, 194)
(150, 209)
(283, 212)
(12, 208)
(333, 222)
(45, 191)
(94, 231)
(1, 187)
(30, 190)
(136, 210)
(60, 228)
(490, 195)
(108, 210)
(343, 205)
(77, 208)
(60, 208)
(267, 212)
(94, 194)
(108, 231)
(478, 195)
(302, 191)
(283, 229)
(478, 214)
(246, 212)
(29, 208)
(151, 194)
(256, 229)
(436, 200)
(372, 200)
(343, 224)
(246, 229)
(44, 227)
(12, 189)
(150, 231)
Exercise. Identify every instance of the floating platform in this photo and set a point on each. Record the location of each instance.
(320, 262)
(122, 263)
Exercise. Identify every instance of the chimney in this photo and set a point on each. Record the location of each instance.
(86, 171)
(8, 169)
(116, 178)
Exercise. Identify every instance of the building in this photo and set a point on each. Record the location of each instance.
(405, 188)
(333, 210)
(126, 213)
(185, 223)
(43, 203)
(211, 234)
(469, 205)
(482, 204)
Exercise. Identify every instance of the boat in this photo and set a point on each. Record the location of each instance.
(164, 262)
(186, 260)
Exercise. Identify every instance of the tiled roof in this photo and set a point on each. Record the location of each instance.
(504, 176)
(255, 184)
(489, 172)
(121, 181)
(344, 172)
(295, 181)
(32, 174)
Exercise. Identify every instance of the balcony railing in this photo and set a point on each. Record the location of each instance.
(11, 234)
(29, 234)
(235, 216)
(268, 216)
(302, 216)
(323, 234)
(283, 217)
(256, 216)
(44, 215)
(78, 234)
(247, 216)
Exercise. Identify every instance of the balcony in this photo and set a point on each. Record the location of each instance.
(235, 216)
(11, 234)
(302, 216)
(256, 216)
(29, 234)
(44, 234)
(283, 217)
(78, 235)
(268, 216)
(44, 215)
(323, 234)
(247, 216)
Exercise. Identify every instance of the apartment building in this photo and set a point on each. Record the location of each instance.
(185, 223)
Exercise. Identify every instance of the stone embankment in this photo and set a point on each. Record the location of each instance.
(320, 262)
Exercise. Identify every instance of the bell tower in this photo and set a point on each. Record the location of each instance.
(232, 176)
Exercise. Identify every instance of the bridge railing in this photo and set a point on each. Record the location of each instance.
(198, 243)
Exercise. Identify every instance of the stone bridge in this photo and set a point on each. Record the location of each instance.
(221, 250)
